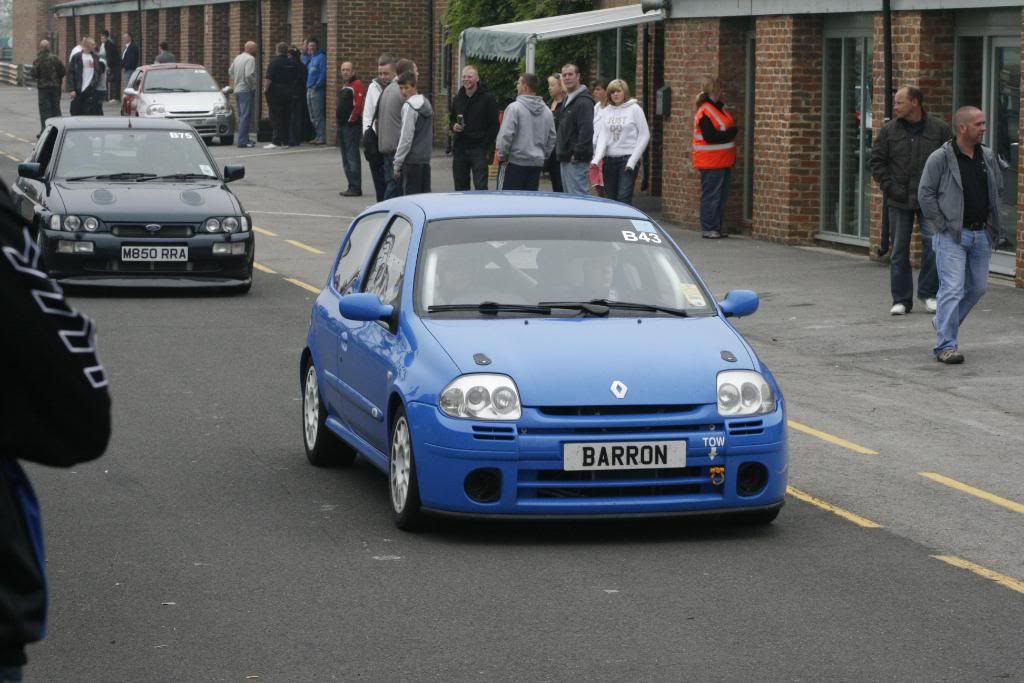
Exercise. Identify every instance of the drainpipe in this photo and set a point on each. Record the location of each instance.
(883, 245)
(259, 64)
(142, 53)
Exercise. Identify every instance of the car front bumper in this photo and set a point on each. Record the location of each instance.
(104, 266)
(526, 457)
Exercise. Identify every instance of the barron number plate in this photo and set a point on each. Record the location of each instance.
(623, 455)
(129, 253)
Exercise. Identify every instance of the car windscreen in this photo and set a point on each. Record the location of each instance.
(542, 261)
(132, 155)
(179, 80)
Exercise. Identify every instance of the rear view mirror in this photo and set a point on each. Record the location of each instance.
(366, 306)
(131, 92)
(739, 302)
(233, 172)
(30, 170)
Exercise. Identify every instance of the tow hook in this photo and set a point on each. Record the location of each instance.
(717, 475)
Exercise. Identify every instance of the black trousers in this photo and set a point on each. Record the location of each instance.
(416, 178)
(49, 103)
(86, 103)
(114, 89)
(555, 171)
(349, 136)
(380, 182)
(513, 177)
(280, 116)
(296, 115)
(466, 160)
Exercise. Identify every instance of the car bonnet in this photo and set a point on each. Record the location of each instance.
(573, 362)
(157, 200)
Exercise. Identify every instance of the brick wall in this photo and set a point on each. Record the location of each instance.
(440, 99)
(150, 36)
(170, 30)
(191, 45)
(275, 30)
(305, 19)
(218, 52)
(788, 114)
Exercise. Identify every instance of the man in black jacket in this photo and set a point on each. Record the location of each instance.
(474, 121)
(575, 144)
(113, 57)
(48, 350)
(85, 73)
(129, 57)
(897, 159)
(283, 77)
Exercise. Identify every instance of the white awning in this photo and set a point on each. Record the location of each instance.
(512, 42)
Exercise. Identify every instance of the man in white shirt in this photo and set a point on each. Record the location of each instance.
(85, 72)
(385, 74)
(243, 82)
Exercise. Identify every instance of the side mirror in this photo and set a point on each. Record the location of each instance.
(227, 90)
(365, 306)
(739, 302)
(233, 172)
(131, 92)
(30, 170)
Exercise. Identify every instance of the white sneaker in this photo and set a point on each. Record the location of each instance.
(931, 305)
(898, 309)
(270, 146)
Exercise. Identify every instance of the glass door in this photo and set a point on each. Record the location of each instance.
(1004, 138)
(846, 139)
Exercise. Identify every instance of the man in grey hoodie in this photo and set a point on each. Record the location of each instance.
(415, 142)
(389, 127)
(526, 138)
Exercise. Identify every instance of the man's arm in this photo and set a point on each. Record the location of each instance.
(346, 101)
(584, 147)
(928, 190)
(492, 120)
(880, 159)
(507, 132)
(370, 105)
(405, 137)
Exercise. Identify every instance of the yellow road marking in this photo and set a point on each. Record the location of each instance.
(845, 514)
(825, 436)
(303, 245)
(300, 283)
(11, 157)
(264, 231)
(966, 488)
(262, 268)
(1002, 579)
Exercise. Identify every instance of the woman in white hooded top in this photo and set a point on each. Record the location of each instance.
(621, 140)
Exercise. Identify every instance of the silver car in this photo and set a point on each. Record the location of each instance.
(186, 92)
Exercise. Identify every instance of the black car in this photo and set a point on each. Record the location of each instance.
(136, 202)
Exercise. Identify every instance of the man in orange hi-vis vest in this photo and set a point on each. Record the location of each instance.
(714, 155)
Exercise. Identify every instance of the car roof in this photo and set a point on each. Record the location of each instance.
(119, 123)
(437, 206)
(172, 65)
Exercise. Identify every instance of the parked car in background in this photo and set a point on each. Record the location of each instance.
(185, 92)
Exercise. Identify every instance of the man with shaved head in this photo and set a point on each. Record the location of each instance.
(243, 82)
(473, 121)
(48, 70)
(959, 196)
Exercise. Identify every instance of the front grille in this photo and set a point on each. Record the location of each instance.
(575, 411)
(488, 433)
(627, 429)
(139, 230)
(745, 427)
(616, 483)
(145, 267)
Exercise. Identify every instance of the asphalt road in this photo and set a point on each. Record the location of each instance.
(202, 547)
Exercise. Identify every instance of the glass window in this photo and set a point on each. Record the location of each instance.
(44, 148)
(385, 279)
(179, 80)
(86, 154)
(353, 254)
(528, 260)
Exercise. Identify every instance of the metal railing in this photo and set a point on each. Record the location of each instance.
(16, 74)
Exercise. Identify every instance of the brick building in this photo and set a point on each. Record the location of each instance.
(805, 82)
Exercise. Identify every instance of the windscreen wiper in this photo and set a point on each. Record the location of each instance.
(181, 176)
(114, 176)
(595, 305)
(491, 308)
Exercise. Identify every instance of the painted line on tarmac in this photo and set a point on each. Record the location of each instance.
(15, 137)
(303, 285)
(264, 231)
(303, 245)
(978, 493)
(12, 157)
(838, 441)
(835, 510)
(263, 269)
(304, 215)
(1002, 579)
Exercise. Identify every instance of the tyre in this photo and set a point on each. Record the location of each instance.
(323, 448)
(208, 141)
(403, 484)
(227, 140)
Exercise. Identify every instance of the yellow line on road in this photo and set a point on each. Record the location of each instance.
(303, 245)
(11, 157)
(825, 436)
(300, 283)
(264, 231)
(1002, 579)
(262, 268)
(845, 514)
(967, 488)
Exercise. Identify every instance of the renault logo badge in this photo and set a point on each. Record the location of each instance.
(153, 227)
(619, 389)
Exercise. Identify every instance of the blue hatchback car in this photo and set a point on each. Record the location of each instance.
(531, 355)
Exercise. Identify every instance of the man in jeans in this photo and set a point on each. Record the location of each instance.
(575, 145)
(897, 159)
(959, 197)
(316, 90)
(243, 82)
(349, 115)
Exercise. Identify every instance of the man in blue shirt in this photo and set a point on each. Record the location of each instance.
(316, 90)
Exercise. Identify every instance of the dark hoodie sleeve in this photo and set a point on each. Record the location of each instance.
(54, 402)
(583, 150)
(492, 118)
(712, 135)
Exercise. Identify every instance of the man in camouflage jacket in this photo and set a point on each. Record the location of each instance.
(48, 71)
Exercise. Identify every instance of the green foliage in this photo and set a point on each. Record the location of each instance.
(500, 77)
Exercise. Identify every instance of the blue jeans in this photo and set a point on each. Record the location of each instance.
(618, 180)
(901, 275)
(714, 190)
(394, 185)
(243, 100)
(574, 177)
(315, 100)
(963, 278)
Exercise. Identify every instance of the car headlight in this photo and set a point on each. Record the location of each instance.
(482, 397)
(212, 225)
(229, 224)
(744, 392)
(220, 108)
(91, 224)
(72, 223)
(55, 222)
(155, 109)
